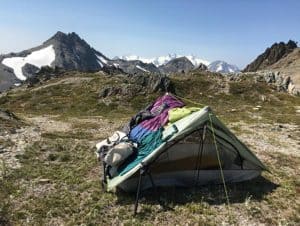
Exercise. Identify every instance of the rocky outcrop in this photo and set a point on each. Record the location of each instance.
(7, 78)
(133, 85)
(177, 65)
(271, 55)
(7, 115)
(134, 66)
(282, 82)
(29, 70)
(202, 67)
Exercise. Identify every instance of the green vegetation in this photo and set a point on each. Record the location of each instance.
(59, 183)
(232, 101)
(59, 178)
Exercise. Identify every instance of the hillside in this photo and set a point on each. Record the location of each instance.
(289, 65)
(51, 175)
(282, 58)
(271, 55)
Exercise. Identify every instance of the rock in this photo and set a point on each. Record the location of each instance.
(32, 81)
(202, 67)
(132, 85)
(29, 70)
(7, 115)
(282, 82)
(263, 98)
(269, 77)
(112, 70)
(44, 181)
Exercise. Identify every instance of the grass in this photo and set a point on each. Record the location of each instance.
(59, 178)
(59, 183)
(81, 99)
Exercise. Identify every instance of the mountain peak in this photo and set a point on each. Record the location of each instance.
(61, 36)
(222, 67)
(271, 55)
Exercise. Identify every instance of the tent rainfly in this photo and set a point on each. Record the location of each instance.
(176, 146)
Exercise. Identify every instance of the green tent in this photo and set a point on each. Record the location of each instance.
(197, 149)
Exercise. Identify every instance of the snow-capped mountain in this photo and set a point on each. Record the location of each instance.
(66, 51)
(70, 52)
(42, 57)
(222, 67)
(161, 60)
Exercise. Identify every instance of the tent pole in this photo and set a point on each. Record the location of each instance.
(138, 192)
(201, 153)
(219, 160)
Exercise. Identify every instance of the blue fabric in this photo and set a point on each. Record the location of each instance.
(138, 133)
(148, 144)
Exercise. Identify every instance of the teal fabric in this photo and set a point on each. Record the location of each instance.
(146, 146)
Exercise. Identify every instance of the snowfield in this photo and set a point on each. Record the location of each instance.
(39, 58)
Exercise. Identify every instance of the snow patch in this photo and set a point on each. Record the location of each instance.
(161, 60)
(220, 67)
(102, 59)
(39, 58)
(100, 63)
(141, 68)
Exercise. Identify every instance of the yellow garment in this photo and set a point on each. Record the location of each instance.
(178, 113)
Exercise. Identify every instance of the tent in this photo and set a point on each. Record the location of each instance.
(195, 150)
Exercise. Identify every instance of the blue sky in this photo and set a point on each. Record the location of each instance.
(234, 30)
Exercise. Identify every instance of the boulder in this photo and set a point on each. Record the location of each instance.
(7, 115)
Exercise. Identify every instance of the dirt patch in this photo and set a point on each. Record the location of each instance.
(49, 124)
(270, 138)
(18, 142)
(70, 80)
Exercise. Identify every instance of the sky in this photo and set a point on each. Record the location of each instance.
(235, 31)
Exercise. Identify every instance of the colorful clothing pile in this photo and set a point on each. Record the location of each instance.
(148, 133)
(162, 105)
(145, 129)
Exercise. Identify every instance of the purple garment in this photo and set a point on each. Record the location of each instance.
(166, 103)
(168, 100)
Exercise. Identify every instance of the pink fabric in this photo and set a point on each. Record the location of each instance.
(161, 119)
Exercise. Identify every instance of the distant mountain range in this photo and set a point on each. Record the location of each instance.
(215, 66)
(161, 60)
(70, 52)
